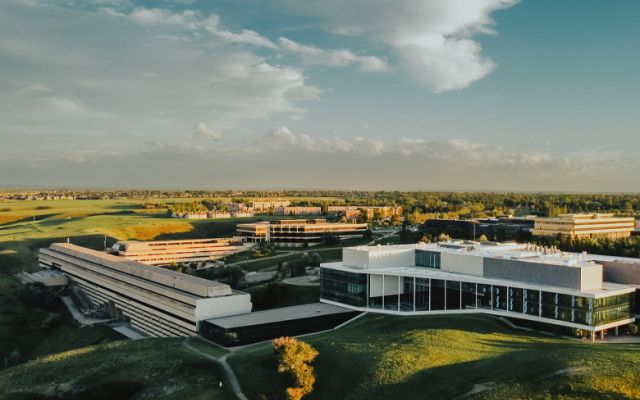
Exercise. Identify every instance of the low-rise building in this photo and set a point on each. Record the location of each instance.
(165, 252)
(289, 210)
(352, 213)
(512, 280)
(157, 301)
(299, 232)
(585, 226)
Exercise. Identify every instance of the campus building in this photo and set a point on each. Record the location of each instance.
(298, 232)
(157, 301)
(165, 252)
(291, 210)
(499, 228)
(352, 213)
(584, 226)
(512, 280)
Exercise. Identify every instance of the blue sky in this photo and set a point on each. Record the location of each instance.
(421, 94)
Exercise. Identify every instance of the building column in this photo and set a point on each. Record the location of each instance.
(602, 334)
(414, 294)
(617, 330)
(593, 336)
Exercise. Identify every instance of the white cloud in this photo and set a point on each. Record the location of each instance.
(204, 132)
(332, 58)
(432, 38)
(131, 74)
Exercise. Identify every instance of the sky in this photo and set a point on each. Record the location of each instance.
(529, 95)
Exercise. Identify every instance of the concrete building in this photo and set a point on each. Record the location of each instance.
(157, 301)
(298, 232)
(512, 280)
(289, 210)
(165, 252)
(352, 213)
(500, 228)
(268, 205)
(584, 226)
(269, 324)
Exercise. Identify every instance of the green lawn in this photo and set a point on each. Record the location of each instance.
(146, 369)
(207, 347)
(441, 357)
(21, 325)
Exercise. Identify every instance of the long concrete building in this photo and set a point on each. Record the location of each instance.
(157, 301)
(584, 226)
(511, 280)
(165, 252)
(298, 232)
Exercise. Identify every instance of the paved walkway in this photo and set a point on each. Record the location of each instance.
(305, 280)
(222, 361)
(126, 330)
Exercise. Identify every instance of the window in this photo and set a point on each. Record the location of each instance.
(343, 287)
(429, 259)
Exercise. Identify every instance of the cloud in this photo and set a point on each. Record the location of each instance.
(332, 58)
(433, 39)
(204, 132)
(132, 74)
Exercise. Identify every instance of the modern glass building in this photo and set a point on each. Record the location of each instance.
(510, 280)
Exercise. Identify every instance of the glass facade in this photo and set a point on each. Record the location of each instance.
(612, 308)
(453, 295)
(406, 296)
(422, 294)
(437, 294)
(409, 294)
(343, 287)
(429, 259)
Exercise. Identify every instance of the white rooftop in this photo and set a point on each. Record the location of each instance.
(510, 251)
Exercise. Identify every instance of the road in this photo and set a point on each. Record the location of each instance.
(287, 254)
(222, 361)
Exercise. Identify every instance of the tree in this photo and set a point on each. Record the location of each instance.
(443, 237)
(483, 238)
(295, 358)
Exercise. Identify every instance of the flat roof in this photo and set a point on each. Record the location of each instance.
(187, 283)
(506, 251)
(156, 242)
(278, 315)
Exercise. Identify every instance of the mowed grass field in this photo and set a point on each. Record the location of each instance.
(143, 369)
(26, 226)
(445, 357)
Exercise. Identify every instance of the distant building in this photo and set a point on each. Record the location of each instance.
(289, 210)
(506, 228)
(454, 228)
(157, 301)
(580, 226)
(191, 215)
(299, 232)
(352, 213)
(520, 281)
(500, 228)
(165, 252)
(268, 205)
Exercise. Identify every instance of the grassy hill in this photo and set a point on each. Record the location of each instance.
(146, 369)
(443, 357)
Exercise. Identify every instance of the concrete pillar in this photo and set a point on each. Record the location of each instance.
(593, 336)
(616, 331)
(602, 334)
